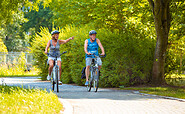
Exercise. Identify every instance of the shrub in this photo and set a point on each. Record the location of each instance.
(128, 62)
(3, 47)
(14, 69)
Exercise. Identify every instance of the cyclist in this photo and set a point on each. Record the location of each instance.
(91, 46)
(54, 46)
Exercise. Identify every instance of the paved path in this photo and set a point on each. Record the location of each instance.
(105, 101)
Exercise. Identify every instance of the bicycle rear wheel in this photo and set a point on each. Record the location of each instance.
(90, 82)
(56, 72)
(96, 80)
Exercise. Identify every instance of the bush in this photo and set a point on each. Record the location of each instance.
(38, 47)
(14, 69)
(3, 47)
(128, 62)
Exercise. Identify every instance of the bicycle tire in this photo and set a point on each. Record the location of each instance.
(90, 82)
(56, 72)
(96, 81)
(52, 81)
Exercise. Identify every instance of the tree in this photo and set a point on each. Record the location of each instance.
(162, 20)
(11, 33)
(37, 19)
(10, 7)
(11, 20)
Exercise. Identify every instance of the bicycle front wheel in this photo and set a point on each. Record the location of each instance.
(90, 82)
(96, 80)
(56, 72)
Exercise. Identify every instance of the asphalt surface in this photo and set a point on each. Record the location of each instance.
(77, 100)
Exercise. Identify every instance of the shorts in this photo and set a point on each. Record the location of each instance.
(89, 61)
(52, 58)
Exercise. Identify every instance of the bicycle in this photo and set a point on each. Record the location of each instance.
(94, 74)
(55, 73)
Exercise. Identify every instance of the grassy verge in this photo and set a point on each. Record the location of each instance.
(162, 91)
(18, 100)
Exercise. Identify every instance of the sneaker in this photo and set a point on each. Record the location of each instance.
(59, 82)
(87, 83)
(48, 77)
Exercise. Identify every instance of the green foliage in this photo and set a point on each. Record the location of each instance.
(37, 19)
(112, 14)
(130, 22)
(121, 67)
(8, 8)
(18, 100)
(3, 47)
(14, 69)
(12, 34)
(129, 60)
(175, 56)
(38, 47)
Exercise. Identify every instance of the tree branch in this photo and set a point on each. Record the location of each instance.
(151, 3)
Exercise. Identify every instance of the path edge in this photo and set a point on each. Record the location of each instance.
(68, 109)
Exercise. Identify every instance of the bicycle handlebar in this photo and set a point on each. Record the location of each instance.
(99, 55)
(55, 54)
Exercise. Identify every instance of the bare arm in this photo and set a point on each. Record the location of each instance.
(85, 47)
(65, 41)
(46, 49)
(101, 47)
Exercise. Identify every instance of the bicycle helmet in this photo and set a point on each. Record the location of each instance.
(55, 32)
(92, 32)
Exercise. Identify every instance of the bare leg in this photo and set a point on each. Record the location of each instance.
(87, 72)
(99, 67)
(60, 69)
(50, 66)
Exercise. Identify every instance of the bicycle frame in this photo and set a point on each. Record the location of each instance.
(94, 79)
(55, 73)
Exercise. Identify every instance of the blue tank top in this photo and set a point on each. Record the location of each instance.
(92, 47)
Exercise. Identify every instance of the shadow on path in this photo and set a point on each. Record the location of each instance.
(74, 92)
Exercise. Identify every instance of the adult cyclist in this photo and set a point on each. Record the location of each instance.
(91, 46)
(54, 45)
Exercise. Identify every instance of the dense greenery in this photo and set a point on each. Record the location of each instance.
(14, 69)
(121, 67)
(125, 28)
(18, 100)
(37, 19)
(3, 47)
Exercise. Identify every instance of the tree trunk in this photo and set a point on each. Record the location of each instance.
(162, 21)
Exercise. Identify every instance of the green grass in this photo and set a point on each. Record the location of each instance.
(17, 100)
(17, 70)
(162, 91)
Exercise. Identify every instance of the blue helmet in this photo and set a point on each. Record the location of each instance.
(92, 32)
(55, 32)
